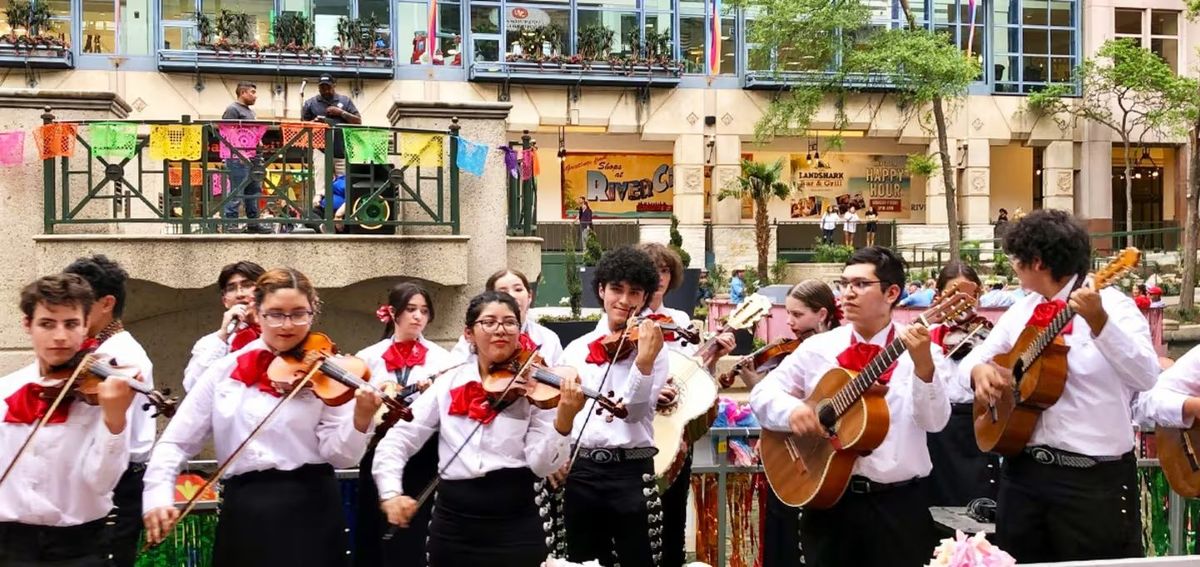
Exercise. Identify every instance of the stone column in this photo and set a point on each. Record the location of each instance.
(733, 238)
(974, 194)
(22, 208)
(727, 157)
(689, 195)
(1058, 176)
(482, 200)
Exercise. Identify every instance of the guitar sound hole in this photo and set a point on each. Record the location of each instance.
(827, 416)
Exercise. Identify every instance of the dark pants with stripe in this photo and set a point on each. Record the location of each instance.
(275, 517)
(1054, 513)
(490, 521)
(407, 546)
(24, 545)
(961, 472)
(781, 534)
(127, 503)
(675, 501)
(606, 513)
(885, 528)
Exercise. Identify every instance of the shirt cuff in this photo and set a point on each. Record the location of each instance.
(931, 390)
(155, 498)
(1170, 411)
(779, 413)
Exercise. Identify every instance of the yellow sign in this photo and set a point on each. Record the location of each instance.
(618, 185)
(851, 180)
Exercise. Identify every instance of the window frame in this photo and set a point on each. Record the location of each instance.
(1145, 38)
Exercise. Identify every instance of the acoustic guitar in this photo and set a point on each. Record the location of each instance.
(1179, 454)
(1038, 361)
(813, 472)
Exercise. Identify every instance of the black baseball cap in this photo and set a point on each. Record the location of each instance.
(326, 79)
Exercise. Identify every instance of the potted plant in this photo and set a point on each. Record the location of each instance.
(33, 19)
(683, 297)
(573, 326)
(592, 251)
(760, 182)
(594, 43)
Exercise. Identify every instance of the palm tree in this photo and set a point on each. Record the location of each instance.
(759, 182)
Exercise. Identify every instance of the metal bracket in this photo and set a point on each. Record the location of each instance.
(199, 86)
(31, 77)
(643, 94)
(574, 91)
(504, 95)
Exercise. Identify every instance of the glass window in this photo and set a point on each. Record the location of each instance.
(1164, 23)
(325, 16)
(1128, 22)
(378, 8)
(692, 36)
(1168, 49)
(522, 24)
(410, 36)
(260, 12)
(99, 27)
(412, 46)
(1035, 49)
(1162, 27)
(447, 46)
(624, 25)
(728, 46)
(485, 20)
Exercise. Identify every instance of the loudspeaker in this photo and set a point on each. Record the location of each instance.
(361, 181)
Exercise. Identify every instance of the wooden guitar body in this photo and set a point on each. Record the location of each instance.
(813, 472)
(689, 417)
(1016, 412)
(1179, 453)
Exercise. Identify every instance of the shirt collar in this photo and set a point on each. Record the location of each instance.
(879, 338)
(1066, 289)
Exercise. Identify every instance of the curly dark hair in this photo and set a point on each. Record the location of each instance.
(889, 266)
(626, 264)
(106, 278)
(475, 307)
(1055, 238)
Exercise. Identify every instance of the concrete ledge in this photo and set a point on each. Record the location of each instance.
(1184, 334)
(65, 100)
(193, 261)
(525, 255)
(462, 110)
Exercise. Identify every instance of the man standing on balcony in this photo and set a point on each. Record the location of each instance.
(335, 110)
(242, 188)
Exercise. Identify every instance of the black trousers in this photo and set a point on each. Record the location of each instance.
(781, 534)
(961, 472)
(490, 521)
(24, 545)
(675, 501)
(890, 528)
(127, 507)
(406, 547)
(274, 517)
(606, 511)
(1051, 513)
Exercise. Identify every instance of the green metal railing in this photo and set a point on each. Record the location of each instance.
(87, 189)
(522, 192)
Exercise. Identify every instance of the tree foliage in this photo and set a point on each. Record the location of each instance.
(760, 182)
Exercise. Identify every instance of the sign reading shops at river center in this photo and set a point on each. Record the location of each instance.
(618, 185)
(858, 180)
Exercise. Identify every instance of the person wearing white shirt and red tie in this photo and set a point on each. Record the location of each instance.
(281, 503)
(606, 508)
(58, 494)
(533, 335)
(235, 283)
(1072, 493)
(882, 519)
(490, 452)
(109, 337)
(403, 360)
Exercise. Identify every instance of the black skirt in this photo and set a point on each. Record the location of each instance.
(406, 547)
(490, 521)
(275, 517)
(961, 472)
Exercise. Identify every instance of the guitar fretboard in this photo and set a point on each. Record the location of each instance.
(1057, 324)
(859, 385)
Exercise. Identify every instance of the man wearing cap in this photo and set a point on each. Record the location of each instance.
(332, 109)
(242, 188)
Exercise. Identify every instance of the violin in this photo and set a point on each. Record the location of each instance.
(763, 360)
(964, 334)
(525, 375)
(333, 377)
(622, 343)
(95, 368)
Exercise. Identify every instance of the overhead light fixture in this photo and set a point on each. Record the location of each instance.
(1145, 156)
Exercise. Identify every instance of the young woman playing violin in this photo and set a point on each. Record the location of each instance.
(55, 496)
(961, 472)
(403, 361)
(281, 504)
(533, 335)
(493, 444)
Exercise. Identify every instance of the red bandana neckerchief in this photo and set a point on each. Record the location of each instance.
(859, 354)
(251, 370)
(28, 404)
(597, 354)
(244, 337)
(938, 336)
(528, 344)
(471, 400)
(404, 354)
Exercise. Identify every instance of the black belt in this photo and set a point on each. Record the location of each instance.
(1051, 456)
(136, 468)
(967, 408)
(604, 455)
(864, 485)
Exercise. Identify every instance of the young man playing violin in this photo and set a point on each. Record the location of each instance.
(109, 337)
(239, 325)
(55, 498)
(1072, 492)
(882, 519)
(607, 508)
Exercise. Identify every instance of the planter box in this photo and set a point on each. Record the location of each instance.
(568, 331)
(12, 55)
(288, 64)
(599, 73)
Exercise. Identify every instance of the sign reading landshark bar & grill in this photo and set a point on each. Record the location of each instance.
(852, 180)
(618, 185)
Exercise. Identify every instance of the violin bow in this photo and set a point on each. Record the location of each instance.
(191, 503)
(974, 331)
(603, 380)
(46, 418)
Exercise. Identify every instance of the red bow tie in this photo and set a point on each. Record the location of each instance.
(251, 370)
(858, 355)
(244, 337)
(938, 335)
(527, 343)
(1045, 312)
(471, 400)
(28, 405)
(597, 354)
(404, 354)
(90, 343)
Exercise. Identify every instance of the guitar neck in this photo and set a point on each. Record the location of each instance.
(855, 388)
(1057, 324)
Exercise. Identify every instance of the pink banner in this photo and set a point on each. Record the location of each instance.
(12, 148)
(242, 137)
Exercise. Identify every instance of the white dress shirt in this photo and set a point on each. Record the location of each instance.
(207, 351)
(436, 360)
(639, 393)
(142, 427)
(520, 436)
(67, 474)
(956, 391)
(303, 431)
(915, 407)
(1163, 404)
(551, 346)
(1103, 372)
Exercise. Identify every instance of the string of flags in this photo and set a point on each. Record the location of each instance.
(184, 142)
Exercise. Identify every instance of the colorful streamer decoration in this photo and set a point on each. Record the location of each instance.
(56, 139)
(176, 142)
(472, 157)
(422, 150)
(366, 145)
(242, 138)
(12, 148)
(304, 134)
(116, 140)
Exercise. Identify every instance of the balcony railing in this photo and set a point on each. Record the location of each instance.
(565, 72)
(191, 196)
(240, 61)
(785, 79)
(39, 52)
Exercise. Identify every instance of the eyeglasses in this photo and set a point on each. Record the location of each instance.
(857, 285)
(492, 325)
(244, 285)
(276, 319)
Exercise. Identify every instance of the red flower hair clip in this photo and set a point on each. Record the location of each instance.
(383, 314)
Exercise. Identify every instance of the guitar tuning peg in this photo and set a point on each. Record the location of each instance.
(549, 541)
(546, 526)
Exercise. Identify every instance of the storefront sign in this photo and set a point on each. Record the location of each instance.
(618, 185)
(857, 180)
